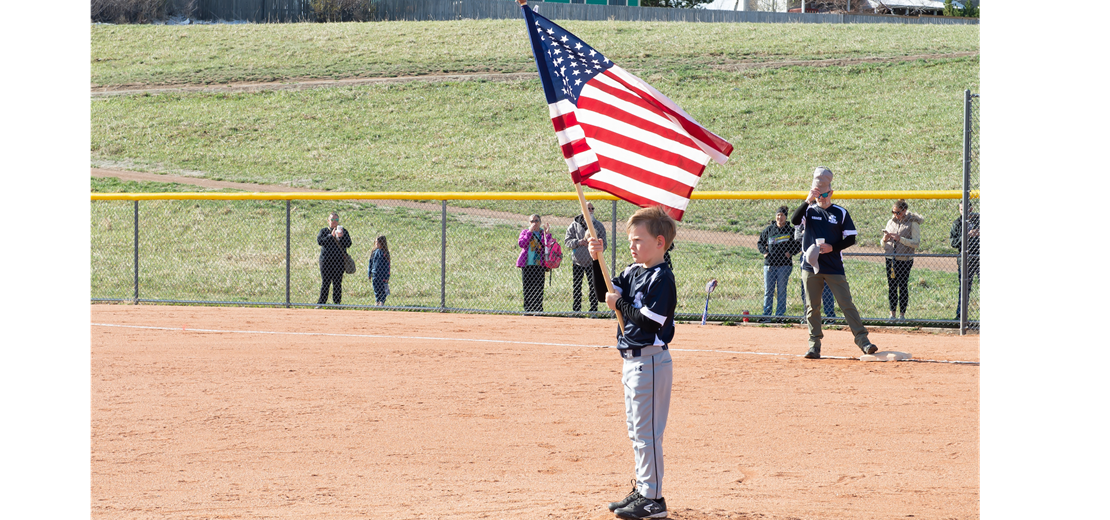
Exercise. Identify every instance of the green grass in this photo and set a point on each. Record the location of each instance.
(212, 54)
(879, 127)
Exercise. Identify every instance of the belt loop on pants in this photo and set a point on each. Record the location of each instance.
(630, 353)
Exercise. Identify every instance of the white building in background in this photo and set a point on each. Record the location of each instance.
(910, 7)
(751, 5)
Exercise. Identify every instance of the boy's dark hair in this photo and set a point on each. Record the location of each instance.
(657, 221)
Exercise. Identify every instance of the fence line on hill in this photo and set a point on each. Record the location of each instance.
(266, 11)
(261, 249)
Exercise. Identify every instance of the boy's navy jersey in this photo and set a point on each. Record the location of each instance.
(833, 225)
(648, 301)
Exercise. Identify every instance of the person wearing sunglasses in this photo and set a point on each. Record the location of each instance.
(828, 230)
(901, 237)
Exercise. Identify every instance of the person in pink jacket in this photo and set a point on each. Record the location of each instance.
(534, 241)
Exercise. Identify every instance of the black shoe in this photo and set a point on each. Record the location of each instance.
(869, 349)
(632, 497)
(813, 353)
(643, 508)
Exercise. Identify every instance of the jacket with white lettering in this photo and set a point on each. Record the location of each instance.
(834, 225)
(647, 303)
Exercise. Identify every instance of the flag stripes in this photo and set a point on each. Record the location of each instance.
(617, 133)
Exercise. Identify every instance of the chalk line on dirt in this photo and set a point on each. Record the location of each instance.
(479, 340)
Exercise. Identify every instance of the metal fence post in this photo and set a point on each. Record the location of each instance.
(963, 214)
(136, 263)
(443, 259)
(287, 226)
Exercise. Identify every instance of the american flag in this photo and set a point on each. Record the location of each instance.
(617, 133)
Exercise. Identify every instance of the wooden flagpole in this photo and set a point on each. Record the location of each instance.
(600, 258)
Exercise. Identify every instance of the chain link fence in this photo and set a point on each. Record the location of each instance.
(460, 255)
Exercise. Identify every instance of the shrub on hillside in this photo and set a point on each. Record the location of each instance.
(129, 11)
(342, 10)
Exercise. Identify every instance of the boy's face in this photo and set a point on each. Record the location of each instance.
(646, 249)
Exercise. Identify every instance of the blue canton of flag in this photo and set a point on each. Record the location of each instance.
(568, 59)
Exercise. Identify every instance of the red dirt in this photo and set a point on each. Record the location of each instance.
(373, 414)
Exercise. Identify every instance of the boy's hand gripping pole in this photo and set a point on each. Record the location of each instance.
(600, 258)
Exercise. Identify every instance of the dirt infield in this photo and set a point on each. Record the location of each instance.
(206, 412)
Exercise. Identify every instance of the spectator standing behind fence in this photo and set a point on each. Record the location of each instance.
(901, 237)
(534, 242)
(972, 249)
(828, 230)
(379, 270)
(333, 241)
(777, 244)
(578, 241)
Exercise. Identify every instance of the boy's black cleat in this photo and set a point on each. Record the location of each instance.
(632, 497)
(644, 508)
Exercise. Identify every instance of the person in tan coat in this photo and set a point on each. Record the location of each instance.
(901, 237)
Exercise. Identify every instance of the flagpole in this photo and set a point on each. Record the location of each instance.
(600, 258)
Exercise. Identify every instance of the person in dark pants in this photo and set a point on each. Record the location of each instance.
(578, 240)
(333, 241)
(379, 270)
(534, 241)
(901, 237)
(972, 249)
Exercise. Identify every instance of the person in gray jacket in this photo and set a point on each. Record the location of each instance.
(578, 240)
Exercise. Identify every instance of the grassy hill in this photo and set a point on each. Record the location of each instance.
(885, 125)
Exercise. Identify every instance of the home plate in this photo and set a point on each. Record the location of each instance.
(886, 355)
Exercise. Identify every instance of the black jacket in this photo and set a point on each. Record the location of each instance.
(778, 244)
(955, 238)
(331, 250)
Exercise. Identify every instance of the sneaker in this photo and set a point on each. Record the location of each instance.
(813, 353)
(902, 317)
(869, 349)
(632, 497)
(643, 508)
